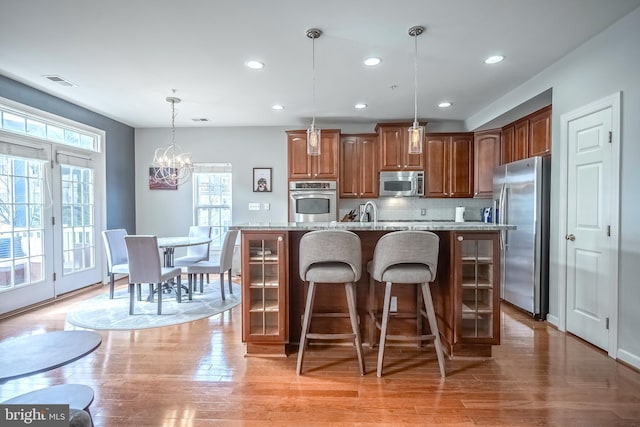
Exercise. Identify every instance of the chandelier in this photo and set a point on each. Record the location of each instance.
(416, 132)
(313, 134)
(173, 167)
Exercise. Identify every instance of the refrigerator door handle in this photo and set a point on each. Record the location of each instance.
(501, 216)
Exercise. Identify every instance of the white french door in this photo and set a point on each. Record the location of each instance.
(26, 243)
(75, 230)
(49, 223)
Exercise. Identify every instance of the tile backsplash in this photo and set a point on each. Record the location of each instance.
(412, 208)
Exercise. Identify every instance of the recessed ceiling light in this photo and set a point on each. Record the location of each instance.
(444, 104)
(278, 107)
(371, 62)
(360, 106)
(494, 59)
(255, 65)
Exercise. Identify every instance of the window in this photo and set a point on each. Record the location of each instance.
(212, 199)
(23, 123)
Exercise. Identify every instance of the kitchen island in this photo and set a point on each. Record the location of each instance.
(465, 292)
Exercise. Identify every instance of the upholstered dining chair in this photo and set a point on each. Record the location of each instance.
(117, 260)
(198, 252)
(145, 267)
(224, 263)
(405, 257)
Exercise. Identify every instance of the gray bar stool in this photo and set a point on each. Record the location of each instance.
(330, 256)
(407, 257)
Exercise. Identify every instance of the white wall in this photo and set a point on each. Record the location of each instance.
(608, 63)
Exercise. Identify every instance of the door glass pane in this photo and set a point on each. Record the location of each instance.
(21, 232)
(78, 231)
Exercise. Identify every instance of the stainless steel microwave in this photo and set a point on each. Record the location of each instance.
(402, 184)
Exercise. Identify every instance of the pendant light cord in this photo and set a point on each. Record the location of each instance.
(415, 80)
(313, 82)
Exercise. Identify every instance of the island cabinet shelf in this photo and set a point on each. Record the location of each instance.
(465, 292)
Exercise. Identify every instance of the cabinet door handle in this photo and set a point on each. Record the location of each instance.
(460, 238)
(280, 239)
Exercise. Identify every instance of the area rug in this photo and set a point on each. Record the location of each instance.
(113, 314)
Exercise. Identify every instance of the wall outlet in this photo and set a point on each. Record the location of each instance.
(423, 212)
(393, 307)
(254, 206)
(266, 206)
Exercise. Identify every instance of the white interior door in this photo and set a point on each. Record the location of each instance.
(588, 226)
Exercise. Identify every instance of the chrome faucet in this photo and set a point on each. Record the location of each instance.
(374, 208)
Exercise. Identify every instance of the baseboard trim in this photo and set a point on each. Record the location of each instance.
(552, 320)
(629, 359)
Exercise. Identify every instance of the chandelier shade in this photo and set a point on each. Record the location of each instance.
(416, 132)
(172, 166)
(313, 133)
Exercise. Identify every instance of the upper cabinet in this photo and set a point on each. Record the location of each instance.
(449, 165)
(540, 132)
(303, 166)
(527, 137)
(486, 146)
(393, 139)
(359, 166)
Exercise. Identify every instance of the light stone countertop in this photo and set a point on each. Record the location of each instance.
(370, 226)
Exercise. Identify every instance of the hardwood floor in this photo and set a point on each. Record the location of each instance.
(196, 374)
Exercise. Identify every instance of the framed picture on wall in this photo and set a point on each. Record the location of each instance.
(158, 181)
(261, 180)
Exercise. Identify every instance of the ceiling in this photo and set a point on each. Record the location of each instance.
(126, 56)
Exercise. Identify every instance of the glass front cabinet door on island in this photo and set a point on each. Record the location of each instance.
(264, 292)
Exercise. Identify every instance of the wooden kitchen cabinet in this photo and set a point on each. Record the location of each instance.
(359, 166)
(302, 166)
(265, 327)
(540, 132)
(468, 310)
(527, 137)
(506, 144)
(393, 140)
(521, 140)
(486, 156)
(449, 165)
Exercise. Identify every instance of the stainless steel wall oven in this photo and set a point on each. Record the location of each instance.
(313, 201)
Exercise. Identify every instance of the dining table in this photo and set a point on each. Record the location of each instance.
(169, 244)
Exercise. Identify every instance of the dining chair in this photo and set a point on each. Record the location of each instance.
(224, 263)
(117, 259)
(145, 267)
(198, 252)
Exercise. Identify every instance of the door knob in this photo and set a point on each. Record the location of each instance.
(570, 237)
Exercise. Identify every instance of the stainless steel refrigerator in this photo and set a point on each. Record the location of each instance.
(521, 198)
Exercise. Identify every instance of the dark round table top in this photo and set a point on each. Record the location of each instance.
(33, 354)
(77, 396)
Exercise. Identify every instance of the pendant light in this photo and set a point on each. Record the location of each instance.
(172, 166)
(416, 132)
(313, 134)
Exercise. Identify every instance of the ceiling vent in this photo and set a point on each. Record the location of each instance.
(59, 80)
